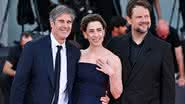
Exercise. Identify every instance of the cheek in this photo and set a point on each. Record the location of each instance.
(137, 22)
(70, 26)
(90, 35)
(101, 35)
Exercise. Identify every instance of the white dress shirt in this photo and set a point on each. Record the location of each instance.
(63, 96)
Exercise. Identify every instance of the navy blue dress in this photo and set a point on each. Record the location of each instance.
(90, 84)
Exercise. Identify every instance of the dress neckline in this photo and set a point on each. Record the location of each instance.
(86, 63)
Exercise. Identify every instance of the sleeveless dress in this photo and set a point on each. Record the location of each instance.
(90, 84)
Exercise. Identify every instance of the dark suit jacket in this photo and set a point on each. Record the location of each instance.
(151, 79)
(34, 79)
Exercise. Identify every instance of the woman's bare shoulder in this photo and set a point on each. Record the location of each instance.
(112, 54)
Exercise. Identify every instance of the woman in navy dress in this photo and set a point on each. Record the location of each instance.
(99, 70)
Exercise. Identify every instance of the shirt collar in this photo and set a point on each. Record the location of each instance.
(133, 43)
(55, 43)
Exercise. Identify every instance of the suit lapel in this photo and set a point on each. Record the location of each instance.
(69, 67)
(124, 54)
(141, 59)
(49, 58)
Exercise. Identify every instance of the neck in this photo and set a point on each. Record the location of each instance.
(138, 37)
(58, 39)
(95, 50)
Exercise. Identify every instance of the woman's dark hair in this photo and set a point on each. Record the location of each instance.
(90, 18)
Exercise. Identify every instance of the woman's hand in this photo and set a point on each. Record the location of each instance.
(104, 66)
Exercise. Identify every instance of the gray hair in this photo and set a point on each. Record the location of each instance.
(61, 9)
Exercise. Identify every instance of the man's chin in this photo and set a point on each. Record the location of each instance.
(142, 31)
(64, 34)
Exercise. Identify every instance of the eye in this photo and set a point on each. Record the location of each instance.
(91, 31)
(99, 30)
(69, 22)
(138, 17)
(147, 16)
(60, 21)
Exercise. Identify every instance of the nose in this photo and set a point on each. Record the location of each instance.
(65, 24)
(97, 33)
(143, 19)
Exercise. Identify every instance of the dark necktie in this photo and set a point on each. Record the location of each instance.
(57, 74)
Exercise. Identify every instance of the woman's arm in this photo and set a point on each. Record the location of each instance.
(115, 78)
(112, 67)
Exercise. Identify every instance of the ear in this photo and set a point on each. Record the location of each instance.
(128, 19)
(51, 23)
(85, 35)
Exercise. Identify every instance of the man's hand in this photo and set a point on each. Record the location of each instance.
(181, 82)
(105, 99)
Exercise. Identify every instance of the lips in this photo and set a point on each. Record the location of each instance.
(64, 31)
(144, 25)
(96, 40)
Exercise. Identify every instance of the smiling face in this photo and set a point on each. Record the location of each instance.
(94, 33)
(61, 27)
(140, 19)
